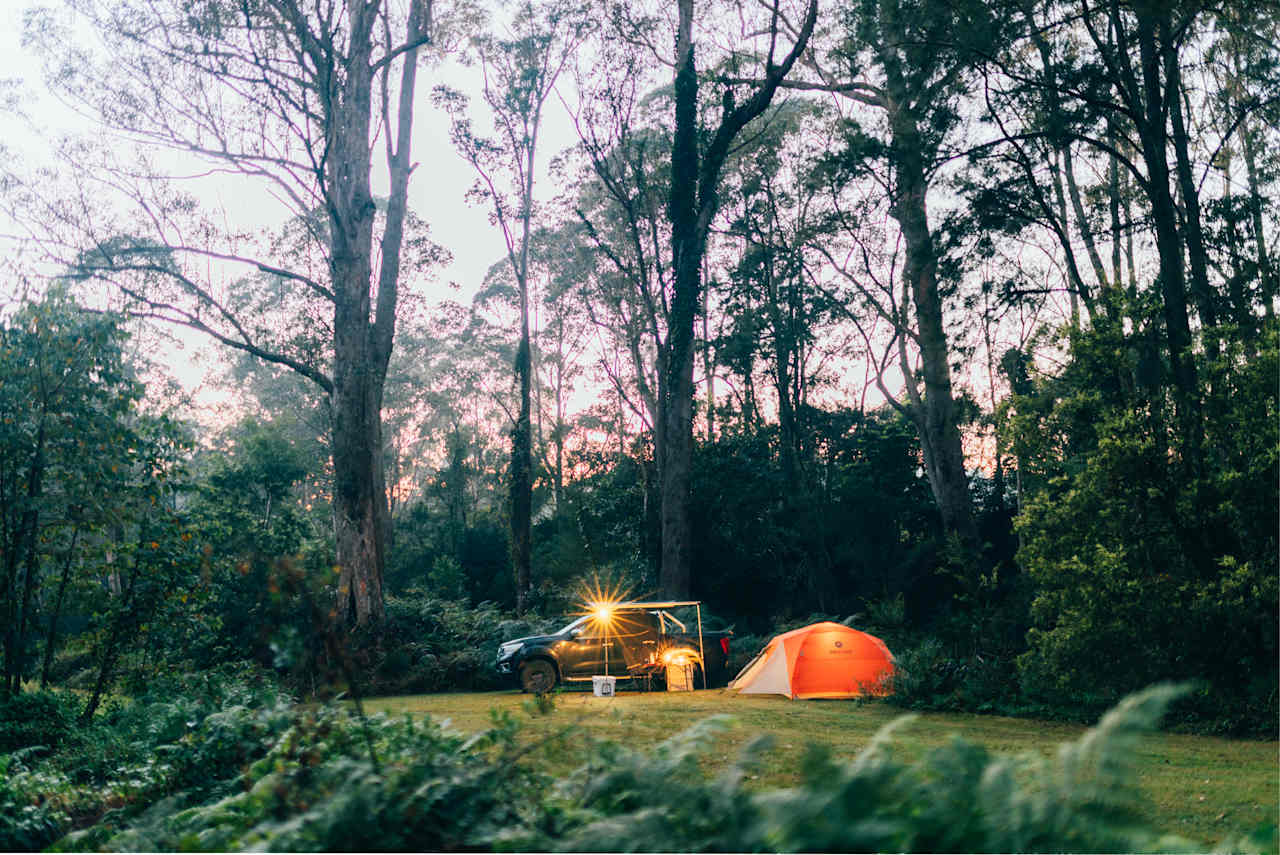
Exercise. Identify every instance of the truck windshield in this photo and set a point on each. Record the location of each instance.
(579, 622)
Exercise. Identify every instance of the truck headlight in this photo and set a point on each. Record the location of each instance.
(506, 650)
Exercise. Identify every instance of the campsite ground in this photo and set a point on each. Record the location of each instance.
(1203, 788)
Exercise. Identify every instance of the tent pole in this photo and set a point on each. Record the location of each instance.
(701, 653)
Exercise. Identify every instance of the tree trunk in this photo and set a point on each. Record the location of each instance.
(1113, 208)
(709, 369)
(1268, 274)
(1082, 222)
(110, 652)
(560, 427)
(676, 419)
(934, 414)
(691, 206)
(51, 636)
(1199, 257)
(783, 350)
(1078, 288)
(522, 435)
(363, 341)
(1154, 140)
(29, 538)
(522, 464)
(359, 500)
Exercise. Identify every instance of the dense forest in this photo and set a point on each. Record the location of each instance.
(954, 320)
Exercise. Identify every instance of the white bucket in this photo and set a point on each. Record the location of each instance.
(602, 687)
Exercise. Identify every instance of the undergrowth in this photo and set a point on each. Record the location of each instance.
(215, 773)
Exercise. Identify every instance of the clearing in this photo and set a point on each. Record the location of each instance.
(1203, 788)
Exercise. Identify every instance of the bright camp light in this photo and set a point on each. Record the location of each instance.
(600, 603)
(679, 656)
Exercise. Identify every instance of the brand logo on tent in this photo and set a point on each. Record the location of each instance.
(839, 644)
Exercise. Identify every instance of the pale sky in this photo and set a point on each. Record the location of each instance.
(436, 191)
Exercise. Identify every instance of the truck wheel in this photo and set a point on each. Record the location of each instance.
(537, 676)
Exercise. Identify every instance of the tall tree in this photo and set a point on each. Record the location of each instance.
(911, 63)
(289, 98)
(698, 155)
(520, 73)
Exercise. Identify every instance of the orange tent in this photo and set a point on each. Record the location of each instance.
(825, 660)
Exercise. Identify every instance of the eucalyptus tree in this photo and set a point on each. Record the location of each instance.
(1240, 69)
(563, 342)
(773, 213)
(664, 254)
(911, 65)
(520, 75)
(1126, 83)
(280, 100)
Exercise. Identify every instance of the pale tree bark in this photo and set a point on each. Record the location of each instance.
(934, 413)
(297, 97)
(1270, 285)
(915, 101)
(362, 349)
(520, 74)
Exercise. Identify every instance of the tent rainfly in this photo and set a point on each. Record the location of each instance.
(824, 660)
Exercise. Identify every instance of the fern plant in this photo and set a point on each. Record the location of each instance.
(956, 798)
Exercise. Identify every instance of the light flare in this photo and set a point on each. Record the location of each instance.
(600, 601)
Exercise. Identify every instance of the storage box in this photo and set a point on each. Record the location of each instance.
(602, 687)
(679, 677)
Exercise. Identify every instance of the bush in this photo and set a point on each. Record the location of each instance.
(36, 719)
(130, 735)
(433, 644)
(332, 782)
(933, 675)
(29, 819)
(1153, 553)
(321, 779)
(742, 649)
(955, 798)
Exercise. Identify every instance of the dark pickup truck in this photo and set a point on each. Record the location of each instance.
(626, 640)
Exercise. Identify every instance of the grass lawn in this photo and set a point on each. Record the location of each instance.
(1203, 788)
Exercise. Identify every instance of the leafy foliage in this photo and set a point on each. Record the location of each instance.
(435, 644)
(1146, 568)
(36, 719)
(955, 798)
(28, 820)
(238, 767)
(322, 780)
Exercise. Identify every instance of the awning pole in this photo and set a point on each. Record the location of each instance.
(701, 653)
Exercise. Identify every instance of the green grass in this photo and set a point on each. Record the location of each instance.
(1203, 788)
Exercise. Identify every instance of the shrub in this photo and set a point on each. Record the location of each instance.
(432, 644)
(36, 719)
(320, 788)
(955, 798)
(29, 819)
(321, 779)
(742, 649)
